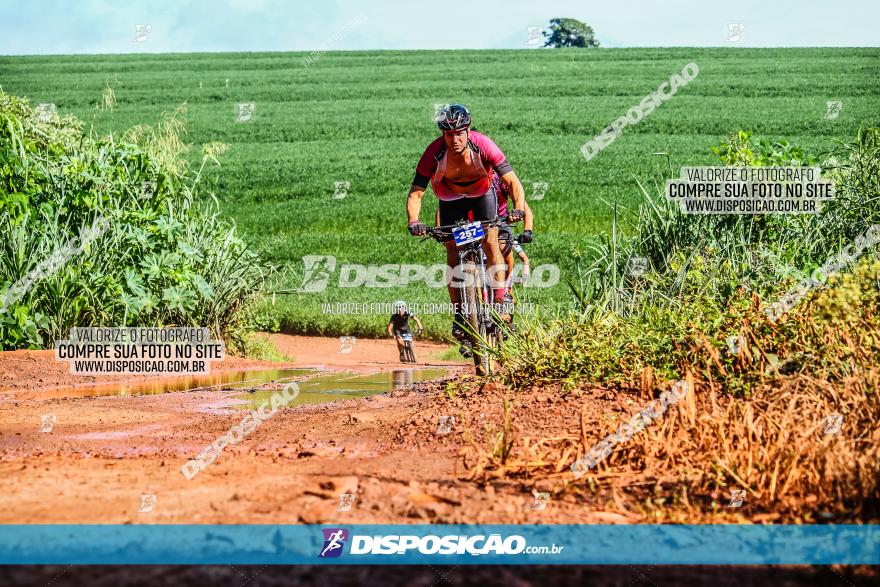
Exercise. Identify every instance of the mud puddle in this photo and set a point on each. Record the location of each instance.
(222, 380)
(345, 385)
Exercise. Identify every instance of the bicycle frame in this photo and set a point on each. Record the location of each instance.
(478, 311)
(471, 252)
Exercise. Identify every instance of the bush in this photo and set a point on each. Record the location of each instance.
(711, 277)
(100, 231)
(764, 388)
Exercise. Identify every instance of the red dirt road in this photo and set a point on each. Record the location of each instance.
(104, 453)
(38, 371)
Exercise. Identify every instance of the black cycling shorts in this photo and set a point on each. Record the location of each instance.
(484, 207)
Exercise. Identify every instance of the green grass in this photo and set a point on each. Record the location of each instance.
(365, 117)
(449, 354)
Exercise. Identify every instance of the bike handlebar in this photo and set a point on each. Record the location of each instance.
(413, 332)
(438, 232)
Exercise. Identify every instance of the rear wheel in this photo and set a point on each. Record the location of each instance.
(477, 308)
(481, 354)
(492, 342)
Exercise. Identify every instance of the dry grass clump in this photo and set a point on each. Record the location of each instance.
(796, 447)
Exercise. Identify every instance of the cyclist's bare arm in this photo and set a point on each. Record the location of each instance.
(516, 189)
(437, 218)
(389, 330)
(414, 203)
(419, 322)
(529, 219)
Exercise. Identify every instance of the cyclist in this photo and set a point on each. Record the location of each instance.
(510, 245)
(459, 166)
(516, 249)
(506, 241)
(398, 325)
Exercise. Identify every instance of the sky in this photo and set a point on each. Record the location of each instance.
(110, 26)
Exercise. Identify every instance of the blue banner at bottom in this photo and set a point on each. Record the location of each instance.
(440, 544)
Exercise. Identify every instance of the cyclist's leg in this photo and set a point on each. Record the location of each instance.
(452, 262)
(508, 260)
(486, 208)
(399, 340)
(505, 243)
(496, 268)
(451, 212)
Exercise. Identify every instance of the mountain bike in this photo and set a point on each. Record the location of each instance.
(476, 298)
(409, 353)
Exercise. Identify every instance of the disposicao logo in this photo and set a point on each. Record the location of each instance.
(334, 540)
(493, 544)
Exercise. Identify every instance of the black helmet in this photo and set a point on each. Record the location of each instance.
(454, 117)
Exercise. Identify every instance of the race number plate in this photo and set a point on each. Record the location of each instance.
(468, 233)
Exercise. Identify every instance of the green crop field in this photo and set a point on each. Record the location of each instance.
(365, 117)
